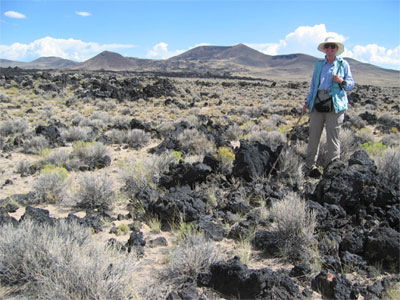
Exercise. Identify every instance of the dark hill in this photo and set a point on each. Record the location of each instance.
(107, 60)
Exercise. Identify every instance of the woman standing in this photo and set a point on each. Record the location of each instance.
(327, 102)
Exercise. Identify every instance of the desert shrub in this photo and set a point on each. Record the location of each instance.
(93, 155)
(386, 118)
(290, 168)
(192, 255)
(35, 145)
(143, 174)
(62, 262)
(76, 119)
(50, 186)
(10, 127)
(121, 122)
(122, 229)
(166, 128)
(194, 142)
(234, 132)
(76, 133)
(389, 165)
(393, 292)
(391, 140)
(58, 158)
(374, 148)
(24, 168)
(357, 121)
(101, 115)
(97, 124)
(139, 176)
(95, 191)
(348, 145)
(365, 135)
(117, 136)
(293, 227)
(272, 139)
(226, 157)
(137, 138)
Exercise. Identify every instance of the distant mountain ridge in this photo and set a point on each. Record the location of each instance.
(238, 60)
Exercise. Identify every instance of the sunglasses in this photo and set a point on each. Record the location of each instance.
(332, 46)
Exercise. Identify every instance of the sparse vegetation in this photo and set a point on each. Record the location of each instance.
(293, 226)
(61, 262)
(95, 191)
(201, 118)
(50, 186)
(189, 257)
(389, 165)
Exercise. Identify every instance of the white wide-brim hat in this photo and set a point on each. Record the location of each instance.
(332, 40)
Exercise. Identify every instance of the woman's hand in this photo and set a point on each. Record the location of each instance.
(337, 79)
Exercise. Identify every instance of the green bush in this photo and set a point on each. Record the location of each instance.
(374, 148)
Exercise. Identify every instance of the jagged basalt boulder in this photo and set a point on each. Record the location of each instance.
(185, 174)
(253, 160)
(136, 243)
(383, 247)
(333, 286)
(233, 279)
(180, 203)
(51, 133)
(39, 215)
(5, 219)
(354, 187)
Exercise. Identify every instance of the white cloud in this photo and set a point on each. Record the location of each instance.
(65, 48)
(83, 13)
(377, 55)
(305, 39)
(14, 14)
(161, 51)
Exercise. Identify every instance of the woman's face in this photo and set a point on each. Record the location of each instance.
(330, 49)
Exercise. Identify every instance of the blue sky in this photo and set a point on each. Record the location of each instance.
(80, 29)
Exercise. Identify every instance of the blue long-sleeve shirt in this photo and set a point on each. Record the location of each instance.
(325, 81)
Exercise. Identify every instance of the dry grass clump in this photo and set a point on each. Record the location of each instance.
(348, 145)
(145, 174)
(195, 142)
(90, 153)
(290, 168)
(57, 157)
(50, 186)
(293, 227)
(10, 127)
(389, 165)
(95, 191)
(35, 145)
(137, 138)
(76, 133)
(61, 262)
(191, 256)
(273, 139)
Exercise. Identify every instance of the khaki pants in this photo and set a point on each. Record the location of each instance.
(332, 122)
